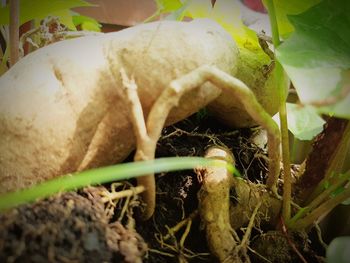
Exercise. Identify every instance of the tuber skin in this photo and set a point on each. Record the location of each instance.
(72, 105)
(214, 206)
(223, 213)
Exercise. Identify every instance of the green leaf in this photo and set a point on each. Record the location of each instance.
(86, 23)
(178, 14)
(284, 8)
(91, 26)
(168, 5)
(106, 174)
(225, 12)
(338, 250)
(317, 56)
(34, 9)
(304, 122)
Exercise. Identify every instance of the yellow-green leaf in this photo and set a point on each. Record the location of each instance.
(228, 15)
(65, 18)
(34, 9)
(168, 5)
(86, 23)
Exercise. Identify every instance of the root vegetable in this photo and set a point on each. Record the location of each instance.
(214, 207)
(222, 212)
(72, 105)
(256, 71)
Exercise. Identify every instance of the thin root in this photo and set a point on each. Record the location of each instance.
(122, 194)
(172, 231)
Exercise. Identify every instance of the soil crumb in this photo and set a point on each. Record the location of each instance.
(66, 228)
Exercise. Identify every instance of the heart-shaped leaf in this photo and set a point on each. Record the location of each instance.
(317, 56)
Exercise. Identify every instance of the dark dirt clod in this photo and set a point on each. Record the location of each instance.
(66, 228)
(277, 248)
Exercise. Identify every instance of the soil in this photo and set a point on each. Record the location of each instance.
(80, 227)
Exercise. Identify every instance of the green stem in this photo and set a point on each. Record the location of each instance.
(287, 185)
(340, 181)
(152, 17)
(104, 175)
(287, 178)
(273, 22)
(322, 210)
